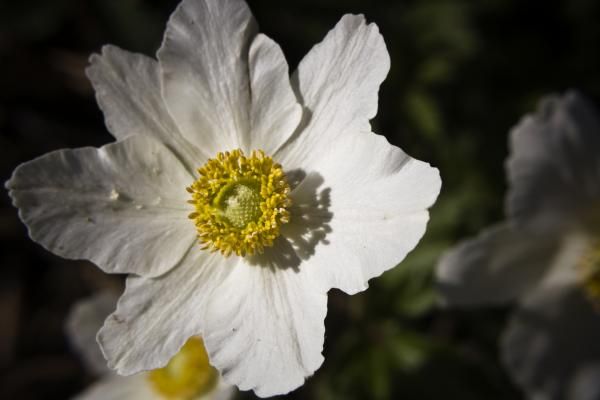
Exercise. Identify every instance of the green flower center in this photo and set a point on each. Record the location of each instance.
(239, 202)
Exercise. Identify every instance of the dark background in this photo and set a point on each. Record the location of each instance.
(463, 73)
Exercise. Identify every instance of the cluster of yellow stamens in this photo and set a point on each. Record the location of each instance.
(589, 268)
(187, 376)
(240, 202)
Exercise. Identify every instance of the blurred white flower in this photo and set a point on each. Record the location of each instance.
(187, 376)
(546, 256)
(299, 197)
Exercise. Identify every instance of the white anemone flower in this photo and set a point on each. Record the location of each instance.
(188, 376)
(299, 196)
(546, 256)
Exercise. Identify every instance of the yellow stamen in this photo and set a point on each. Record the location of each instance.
(187, 376)
(589, 268)
(240, 202)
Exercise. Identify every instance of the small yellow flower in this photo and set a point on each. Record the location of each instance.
(187, 376)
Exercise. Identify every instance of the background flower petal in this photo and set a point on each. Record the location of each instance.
(338, 83)
(83, 322)
(264, 327)
(584, 385)
(550, 340)
(554, 168)
(275, 113)
(116, 387)
(497, 266)
(122, 206)
(127, 89)
(223, 391)
(204, 61)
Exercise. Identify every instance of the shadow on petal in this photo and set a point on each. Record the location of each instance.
(308, 226)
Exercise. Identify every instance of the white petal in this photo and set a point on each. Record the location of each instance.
(497, 266)
(83, 322)
(135, 387)
(554, 168)
(128, 91)
(275, 113)
(550, 341)
(361, 212)
(338, 82)
(122, 206)
(155, 317)
(204, 60)
(264, 327)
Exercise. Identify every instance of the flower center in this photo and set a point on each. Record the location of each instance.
(589, 269)
(187, 376)
(240, 202)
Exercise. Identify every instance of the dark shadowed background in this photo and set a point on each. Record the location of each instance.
(463, 72)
